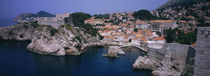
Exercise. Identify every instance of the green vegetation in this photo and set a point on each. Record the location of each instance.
(79, 18)
(130, 40)
(135, 30)
(44, 14)
(143, 15)
(51, 29)
(102, 16)
(202, 23)
(78, 21)
(101, 37)
(78, 38)
(170, 35)
(176, 35)
(68, 27)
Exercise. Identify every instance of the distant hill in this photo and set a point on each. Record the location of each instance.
(28, 15)
(172, 3)
(44, 14)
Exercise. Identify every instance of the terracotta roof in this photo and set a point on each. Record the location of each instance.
(159, 38)
(111, 37)
(162, 21)
(125, 37)
(143, 39)
(134, 33)
(103, 35)
(107, 23)
(106, 37)
(148, 31)
(139, 36)
(141, 22)
(139, 31)
(106, 30)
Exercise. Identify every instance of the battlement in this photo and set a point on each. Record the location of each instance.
(202, 55)
(53, 21)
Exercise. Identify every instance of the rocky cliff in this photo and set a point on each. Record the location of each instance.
(45, 39)
(167, 61)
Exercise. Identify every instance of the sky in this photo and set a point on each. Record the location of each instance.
(11, 8)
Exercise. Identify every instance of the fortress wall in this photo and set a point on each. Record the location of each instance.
(202, 54)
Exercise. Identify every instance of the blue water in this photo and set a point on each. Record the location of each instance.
(16, 60)
(6, 22)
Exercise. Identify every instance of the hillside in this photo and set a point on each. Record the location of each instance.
(44, 14)
(172, 3)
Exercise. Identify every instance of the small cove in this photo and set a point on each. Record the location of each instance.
(16, 60)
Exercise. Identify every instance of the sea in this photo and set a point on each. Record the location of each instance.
(16, 60)
(6, 22)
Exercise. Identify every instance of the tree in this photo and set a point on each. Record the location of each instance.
(170, 35)
(135, 30)
(130, 40)
(78, 20)
(176, 35)
(143, 15)
(101, 16)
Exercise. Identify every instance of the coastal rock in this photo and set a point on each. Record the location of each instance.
(45, 39)
(167, 61)
(144, 63)
(54, 43)
(113, 51)
(20, 32)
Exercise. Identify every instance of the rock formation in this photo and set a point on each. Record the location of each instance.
(113, 51)
(45, 39)
(167, 61)
(144, 63)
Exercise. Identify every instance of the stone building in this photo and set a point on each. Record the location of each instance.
(161, 25)
(53, 21)
(202, 55)
(94, 21)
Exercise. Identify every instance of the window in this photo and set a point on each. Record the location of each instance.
(202, 32)
(206, 36)
(208, 32)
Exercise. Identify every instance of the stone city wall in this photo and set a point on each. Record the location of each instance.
(202, 55)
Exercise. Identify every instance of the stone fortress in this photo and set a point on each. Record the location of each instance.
(202, 55)
(53, 21)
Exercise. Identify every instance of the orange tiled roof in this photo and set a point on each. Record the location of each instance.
(139, 36)
(107, 23)
(125, 37)
(106, 37)
(159, 38)
(134, 33)
(162, 21)
(139, 32)
(103, 35)
(143, 39)
(111, 37)
(141, 22)
(106, 30)
(148, 31)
